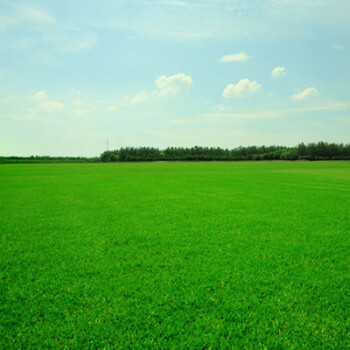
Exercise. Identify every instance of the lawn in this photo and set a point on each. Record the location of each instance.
(175, 255)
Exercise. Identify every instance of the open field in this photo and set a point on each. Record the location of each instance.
(175, 255)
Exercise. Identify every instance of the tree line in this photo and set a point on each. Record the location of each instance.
(48, 159)
(310, 151)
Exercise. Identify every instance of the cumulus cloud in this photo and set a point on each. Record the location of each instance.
(236, 57)
(139, 97)
(40, 95)
(82, 108)
(277, 71)
(50, 107)
(243, 88)
(79, 107)
(112, 109)
(172, 84)
(308, 92)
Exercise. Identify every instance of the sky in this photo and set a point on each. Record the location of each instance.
(74, 74)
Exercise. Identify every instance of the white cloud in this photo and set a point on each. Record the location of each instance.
(262, 113)
(175, 3)
(112, 109)
(75, 44)
(36, 15)
(243, 88)
(338, 47)
(139, 97)
(50, 107)
(236, 57)
(79, 112)
(83, 108)
(40, 95)
(308, 92)
(30, 116)
(42, 27)
(77, 103)
(172, 84)
(220, 107)
(23, 14)
(343, 119)
(277, 71)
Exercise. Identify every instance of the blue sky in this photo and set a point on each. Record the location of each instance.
(172, 73)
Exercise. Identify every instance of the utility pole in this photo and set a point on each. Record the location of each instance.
(107, 144)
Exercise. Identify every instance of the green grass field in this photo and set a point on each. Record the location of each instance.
(175, 255)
